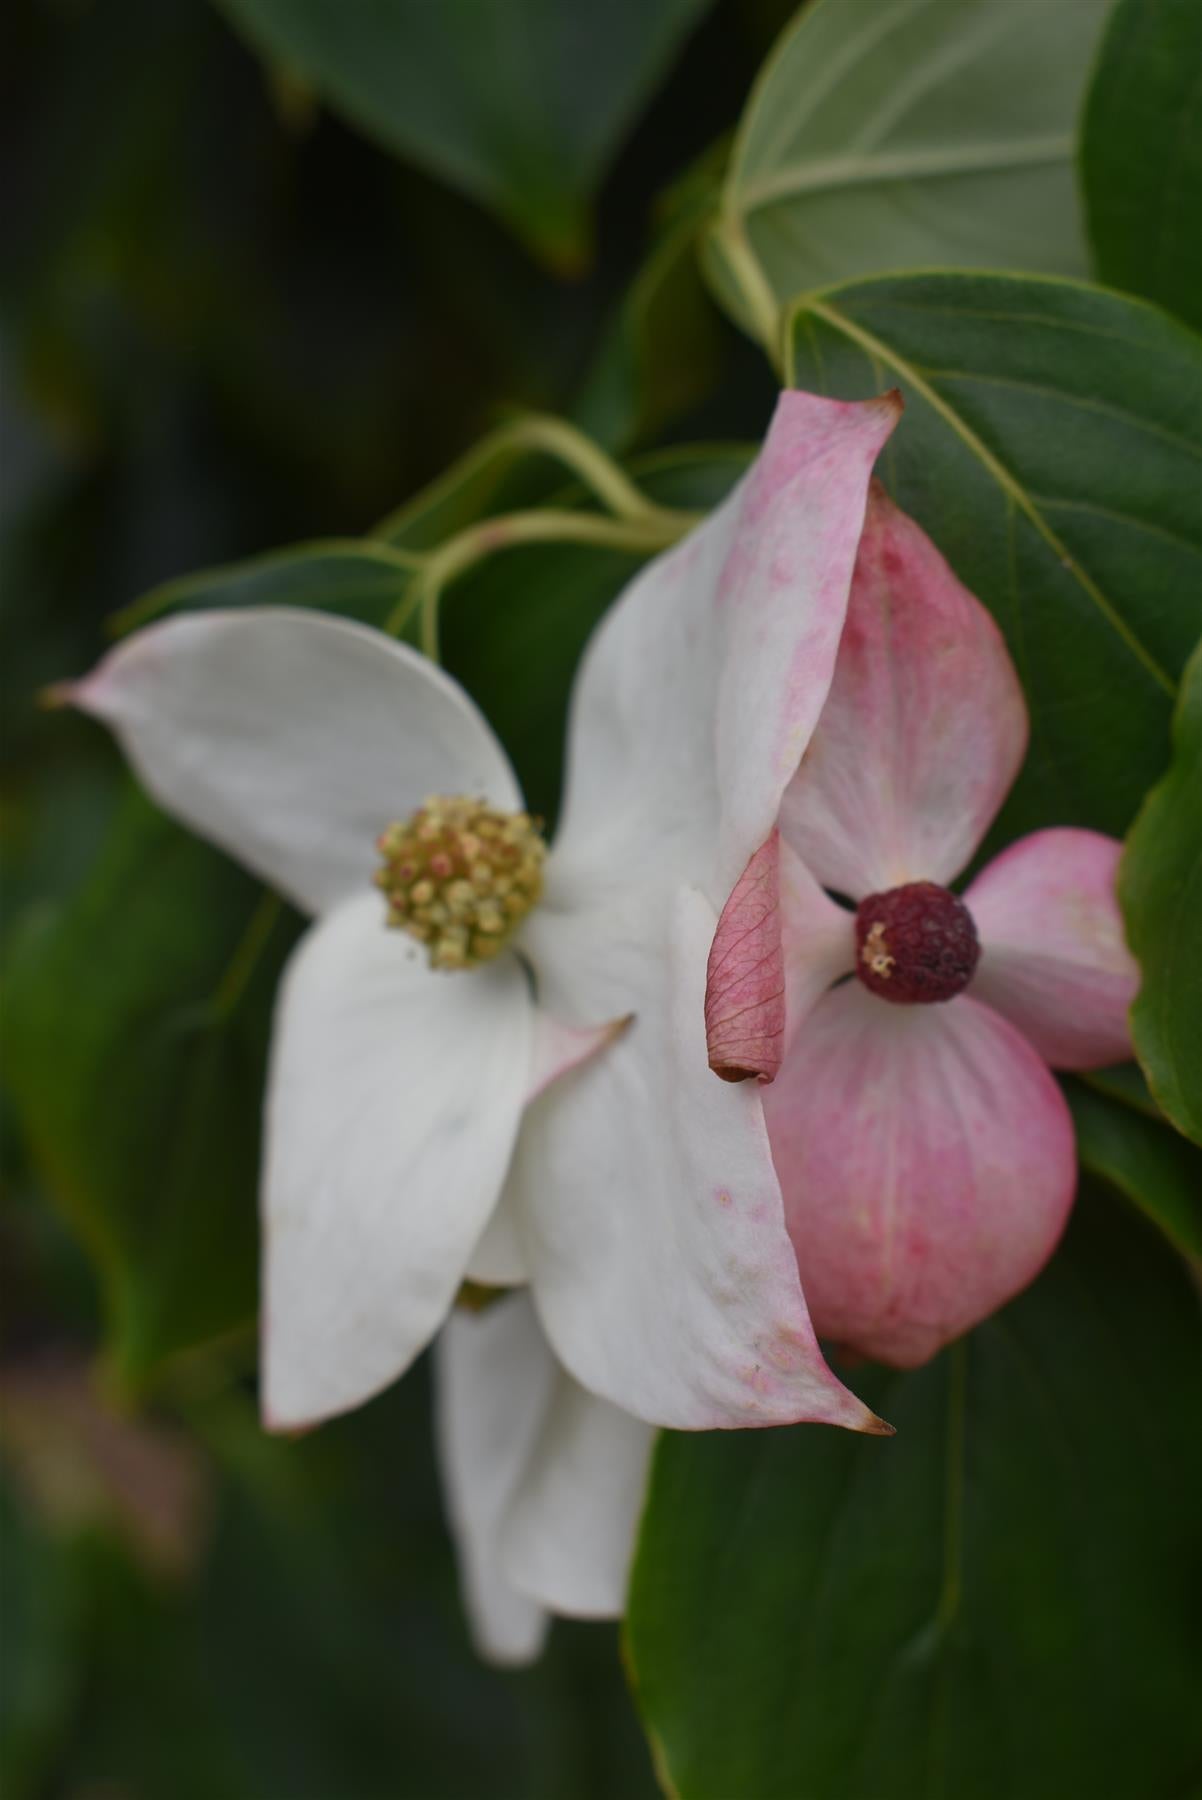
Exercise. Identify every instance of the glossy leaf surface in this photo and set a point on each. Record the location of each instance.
(1141, 154)
(995, 1602)
(137, 1026)
(901, 135)
(1160, 885)
(520, 106)
(1148, 1162)
(1052, 448)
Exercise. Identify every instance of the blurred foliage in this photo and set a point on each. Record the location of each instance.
(1160, 885)
(519, 106)
(138, 1019)
(1143, 1157)
(315, 1650)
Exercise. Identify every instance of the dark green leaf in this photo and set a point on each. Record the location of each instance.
(1141, 153)
(1150, 1163)
(39, 1669)
(884, 137)
(1125, 1083)
(359, 580)
(367, 578)
(520, 106)
(136, 1040)
(330, 1621)
(661, 352)
(997, 1603)
(664, 348)
(1052, 447)
(1160, 886)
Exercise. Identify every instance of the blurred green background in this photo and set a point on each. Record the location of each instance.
(230, 322)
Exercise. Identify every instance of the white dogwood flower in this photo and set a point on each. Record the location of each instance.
(456, 1099)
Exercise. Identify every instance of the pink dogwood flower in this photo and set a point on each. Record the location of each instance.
(458, 1099)
(925, 1151)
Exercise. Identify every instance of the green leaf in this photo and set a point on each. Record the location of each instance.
(137, 1027)
(1125, 1083)
(991, 1604)
(661, 353)
(1160, 888)
(663, 350)
(1141, 154)
(520, 106)
(1051, 447)
(355, 579)
(890, 136)
(368, 578)
(330, 1623)
(1150, 1163)
(40, 1667)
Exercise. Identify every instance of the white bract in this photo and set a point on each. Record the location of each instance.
(544, 1481)
(427, 1126)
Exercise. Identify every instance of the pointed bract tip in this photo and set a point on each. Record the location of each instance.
(619, 1027)
(279, 1428)
(733, 1072)
(894, 401)
(58, 695)
(874, 1427)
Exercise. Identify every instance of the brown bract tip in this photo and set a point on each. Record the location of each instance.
(57, 695)
(732, 1072)
(287, 1432)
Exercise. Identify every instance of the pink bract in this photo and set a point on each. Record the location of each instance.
(925, 1152)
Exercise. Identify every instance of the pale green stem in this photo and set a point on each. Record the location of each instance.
(653, 530)
(599, 472)
(246, 955)
(755, 289)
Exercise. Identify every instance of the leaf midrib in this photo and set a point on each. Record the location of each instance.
(835, 172)
(1009, 484)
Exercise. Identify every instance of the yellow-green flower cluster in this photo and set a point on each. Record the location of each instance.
(460, 877)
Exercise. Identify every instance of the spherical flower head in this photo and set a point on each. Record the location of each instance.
(916, 944)
(460, 877)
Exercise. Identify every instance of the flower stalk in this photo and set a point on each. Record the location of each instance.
(634, 522)
(655, 528)
(753, 287)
